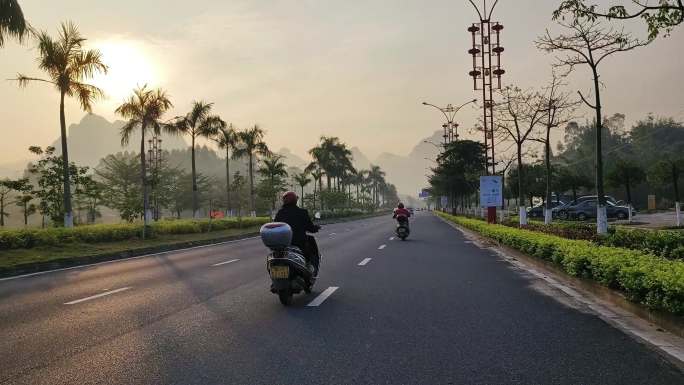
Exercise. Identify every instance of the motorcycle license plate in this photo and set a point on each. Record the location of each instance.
(280, 272)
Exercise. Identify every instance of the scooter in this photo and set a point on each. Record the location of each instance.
(288, 268)
(403, 230)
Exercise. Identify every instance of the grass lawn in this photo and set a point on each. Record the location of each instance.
(74, 251)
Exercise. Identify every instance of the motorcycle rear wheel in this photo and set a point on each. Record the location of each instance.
(285, 297)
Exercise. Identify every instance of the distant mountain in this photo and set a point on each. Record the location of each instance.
(291, 159)
(361, 162)
(94, 137)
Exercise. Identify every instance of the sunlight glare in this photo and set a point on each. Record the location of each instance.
(129, 67)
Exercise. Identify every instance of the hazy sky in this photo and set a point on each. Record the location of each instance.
(355, 69)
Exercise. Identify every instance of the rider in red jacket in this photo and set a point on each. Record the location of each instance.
(401, 213)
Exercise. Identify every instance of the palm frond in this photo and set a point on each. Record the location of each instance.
(86, 94)
(127, 130)
(12, 22)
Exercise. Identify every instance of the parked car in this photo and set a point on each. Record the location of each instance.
(538, 210)
(561, 212)
(587, 209)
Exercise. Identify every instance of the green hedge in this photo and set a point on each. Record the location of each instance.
(28, 238)
(653, 281)
(665, 243)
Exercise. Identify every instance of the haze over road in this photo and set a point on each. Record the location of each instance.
(432, 310)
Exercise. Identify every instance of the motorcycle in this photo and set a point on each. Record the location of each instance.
(403, 230)
(289, 270)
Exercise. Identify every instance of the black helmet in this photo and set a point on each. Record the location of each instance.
(400, 205)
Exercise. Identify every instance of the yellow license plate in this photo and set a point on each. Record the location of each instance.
(280, 272)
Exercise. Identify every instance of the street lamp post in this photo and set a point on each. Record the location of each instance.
(486, 52)
(450, 127)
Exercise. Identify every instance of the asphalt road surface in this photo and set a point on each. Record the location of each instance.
(435, 309)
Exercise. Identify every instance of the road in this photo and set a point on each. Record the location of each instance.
(436, 309)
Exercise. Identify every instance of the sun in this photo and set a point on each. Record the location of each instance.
(129, 66)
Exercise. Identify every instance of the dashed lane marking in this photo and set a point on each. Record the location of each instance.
(365, 262)
(323, 296)
(97, 296)
(382, 247)
(225, 263)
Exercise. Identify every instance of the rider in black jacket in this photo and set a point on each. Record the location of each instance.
(300, 222)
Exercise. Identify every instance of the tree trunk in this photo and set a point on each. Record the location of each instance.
(251, 184)
(601, 217)
(25, 214)
(195, 205)
(675, 181)
(143, 178)
(629, 191)
(228, 203)
(522, 213)
(547, 160)
(68, 214)
(2, 211)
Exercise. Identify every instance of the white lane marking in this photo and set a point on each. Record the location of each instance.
(382, 247)
(323, 296)
(226, 262)
(365, 262)
(97, 296)
(125, 259)
(333, 234)
(391, 238)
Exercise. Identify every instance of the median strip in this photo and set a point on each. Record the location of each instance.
(106, 293)
(323, 296)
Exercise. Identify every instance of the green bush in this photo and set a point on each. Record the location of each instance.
(665, 243)
(28, 238)
(651, 280)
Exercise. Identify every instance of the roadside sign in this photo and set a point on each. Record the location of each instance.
(444, 201)
(490, 191)
(424, 194)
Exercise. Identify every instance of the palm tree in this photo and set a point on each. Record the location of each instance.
(227, 139)
(377, 179)
(303, 180)
(68, 65)
(274, 170)
(144, 110)
(12, 21)
(197, 123)
(251, 144)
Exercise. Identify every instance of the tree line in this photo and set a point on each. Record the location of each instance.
(596, 154)
(56, 183)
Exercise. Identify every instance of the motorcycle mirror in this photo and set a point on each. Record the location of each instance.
(317, 215)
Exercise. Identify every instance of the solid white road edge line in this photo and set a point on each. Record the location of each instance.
(97, 296)
(382, 247)
(323, 296)
(365, 262)
(124, 259)
(226, 262)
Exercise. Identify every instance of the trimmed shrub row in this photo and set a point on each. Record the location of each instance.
(27, 238)
(656, 282)
(665, 243)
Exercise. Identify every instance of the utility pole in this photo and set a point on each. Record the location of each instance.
(487, 72)
(154, 164)
(486, 52)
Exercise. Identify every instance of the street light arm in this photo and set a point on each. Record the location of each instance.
(440, 110)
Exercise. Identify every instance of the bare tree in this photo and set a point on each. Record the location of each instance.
(559, 110)
(665, 15)
(587, 42)
(520, 114)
